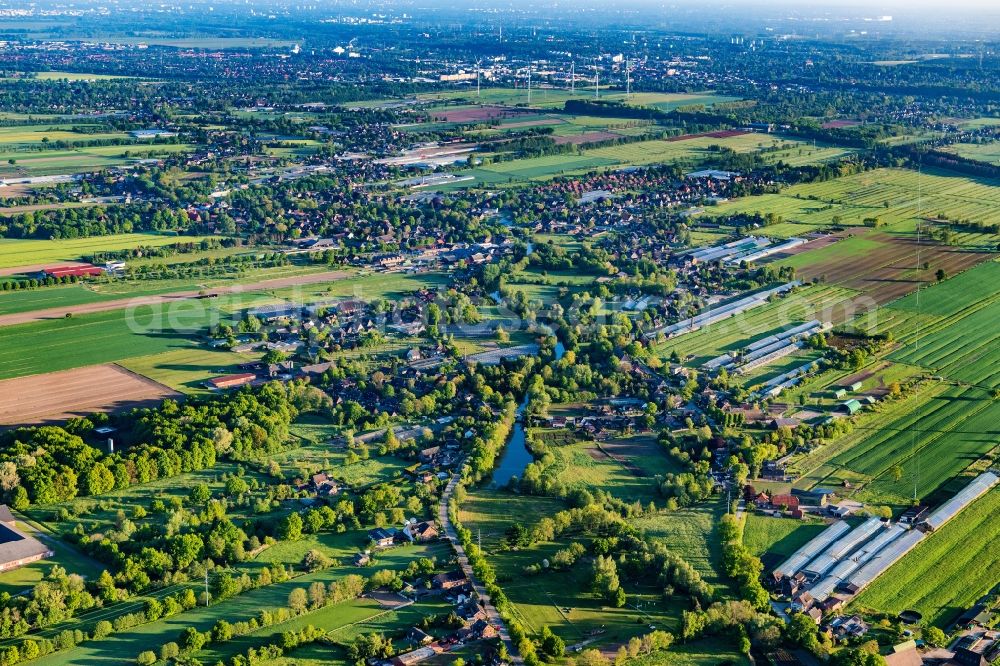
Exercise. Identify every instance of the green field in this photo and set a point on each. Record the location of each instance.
(948, 572)
(536, 167)
(186, 370)
(33, 135)
(966, 351)
(17, 252)
(582, 464)
(956, 294)
(931, 437)
(62, 344)
(982, 152)
(695, 150)
(692, 534)
(892, 195)
(775, 539)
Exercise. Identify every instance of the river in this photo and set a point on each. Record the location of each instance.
(515, 455)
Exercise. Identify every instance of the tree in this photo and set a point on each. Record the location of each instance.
(935, 636)
(169, 651)
(290, 528)
(192, 640)
(200, 494)
(592, 657)
(315, 560)
(19, 499)
(856, 657)
(552, 645)
(146, 658)
(236, 485)
(940, 274)
(298, 600)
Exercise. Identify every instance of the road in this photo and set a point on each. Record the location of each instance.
(128, 302)
(492, 616)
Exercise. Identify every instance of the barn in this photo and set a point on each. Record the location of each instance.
(16, 547)
(79, 270)
(230, 381)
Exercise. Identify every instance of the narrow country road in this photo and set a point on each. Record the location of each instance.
(492, 616)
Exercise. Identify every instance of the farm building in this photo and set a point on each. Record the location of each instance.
(803, 555)
(414, 657)
(16, 547)
(151, 133)
(851, 406)
(271, 313)
(816, 496)
(82, 270)
(964, 498)
(230, 381)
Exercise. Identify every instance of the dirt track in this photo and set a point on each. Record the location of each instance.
(119, 303)
(57, 396)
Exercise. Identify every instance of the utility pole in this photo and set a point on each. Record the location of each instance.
(572, 76)
(597, 82)
(529, 83)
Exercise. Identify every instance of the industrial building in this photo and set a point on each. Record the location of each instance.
(847, 560)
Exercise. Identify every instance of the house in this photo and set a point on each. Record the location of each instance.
(362, 559)
(428, 454)
(230, 381)
(470, 611)
(383, 538)
(447, 581)
(482, 629)
(785, 500)
(418, 636)
(845, 627)
(425, 531)
(16, 547)
(323, 484)
(802, 602)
